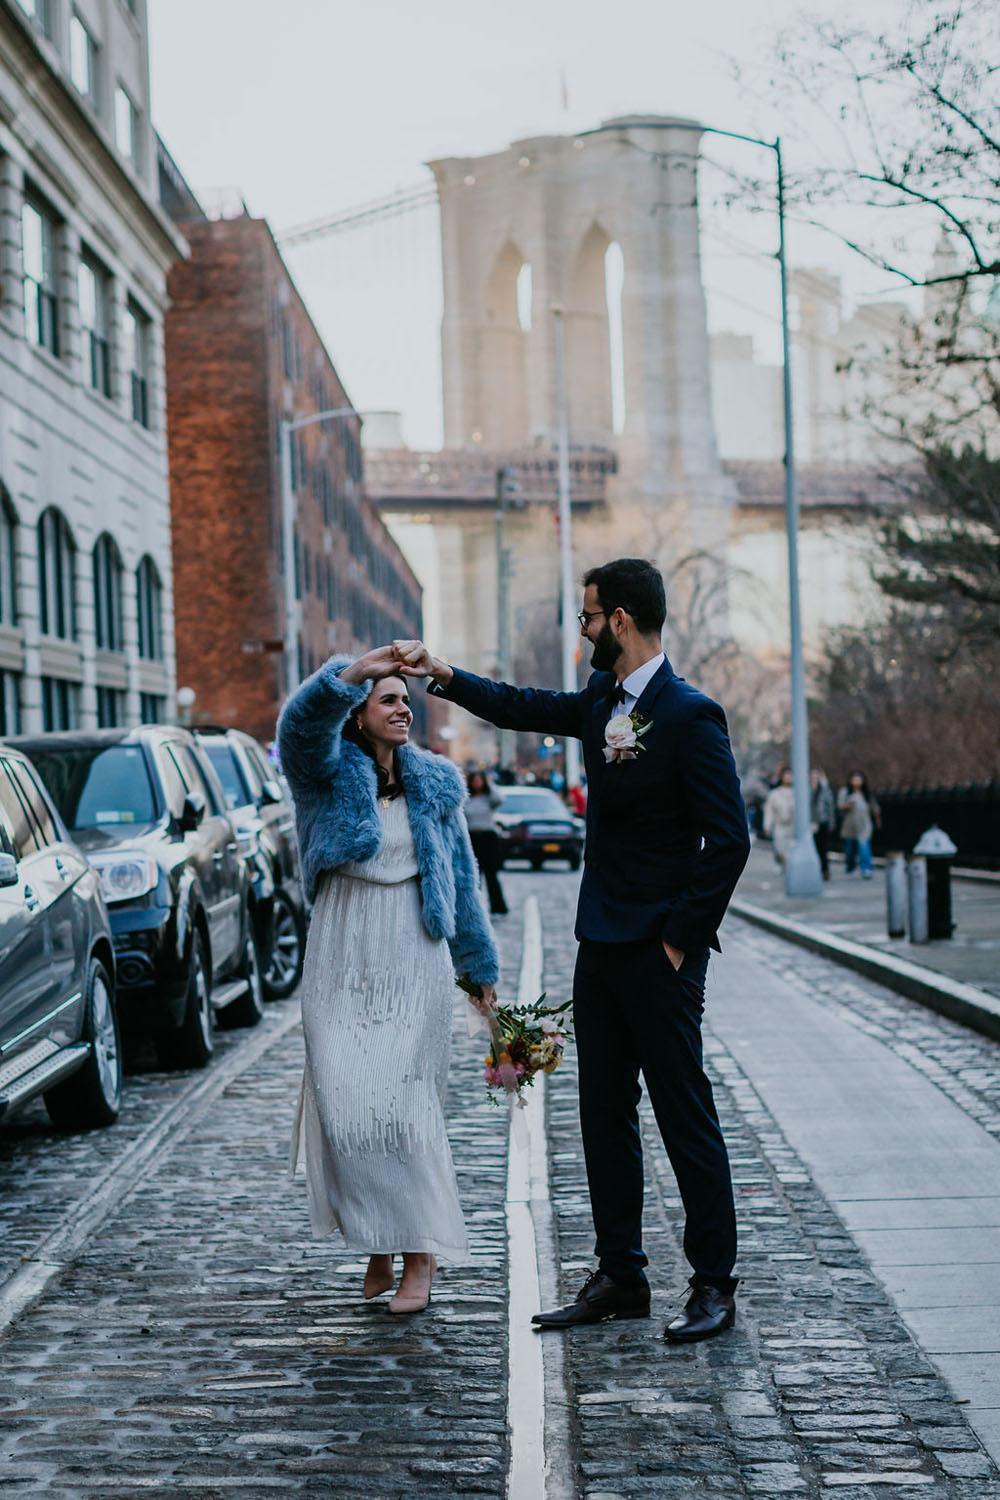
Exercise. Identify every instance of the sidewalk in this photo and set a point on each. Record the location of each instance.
(960, 976)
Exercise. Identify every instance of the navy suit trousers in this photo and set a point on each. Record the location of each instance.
(635, 1014)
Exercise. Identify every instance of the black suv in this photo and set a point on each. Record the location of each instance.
(149, 813)
(265, 822)
(58, 1028)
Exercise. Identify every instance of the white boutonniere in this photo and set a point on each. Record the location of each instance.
(623, 737)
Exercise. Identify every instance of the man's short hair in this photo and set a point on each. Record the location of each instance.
(634, 585)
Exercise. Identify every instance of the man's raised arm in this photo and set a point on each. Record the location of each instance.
(535, 710)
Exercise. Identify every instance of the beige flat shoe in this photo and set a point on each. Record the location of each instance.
(414, 1301)
(377, 1278)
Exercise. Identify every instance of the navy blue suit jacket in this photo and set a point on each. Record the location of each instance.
(667, 832)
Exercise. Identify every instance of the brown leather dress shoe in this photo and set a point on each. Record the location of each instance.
(600, 1297)
(708, 1311)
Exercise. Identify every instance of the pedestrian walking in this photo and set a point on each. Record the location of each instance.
(388, 862)
(823, 816)
(578, 799)
(779, 815)
(860, 816)
(483, 802)
(666, 842)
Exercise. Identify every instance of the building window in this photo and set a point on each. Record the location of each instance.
(150, 622)
(8, 573)
(110, 707)
(108, 595)
(82, 59)
(126, 125)
(10, 705)
(137, 361)
(152, 709)
(39, 12)
(58, 704)
(41, 300)
(92, 291)
(55, 577)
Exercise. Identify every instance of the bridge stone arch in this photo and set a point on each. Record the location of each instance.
(558, 202)
(504, 414)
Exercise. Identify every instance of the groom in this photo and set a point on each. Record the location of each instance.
(666, 842)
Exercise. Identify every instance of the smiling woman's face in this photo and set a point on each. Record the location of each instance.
(386, 717)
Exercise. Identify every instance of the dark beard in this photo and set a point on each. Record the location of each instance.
(606, 650)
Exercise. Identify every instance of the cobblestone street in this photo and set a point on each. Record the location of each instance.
(193, 1340)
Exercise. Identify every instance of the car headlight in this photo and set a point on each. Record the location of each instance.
(125, 876)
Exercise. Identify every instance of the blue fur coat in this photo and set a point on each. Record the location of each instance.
(334, 785)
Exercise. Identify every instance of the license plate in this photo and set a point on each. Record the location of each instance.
(550, 848)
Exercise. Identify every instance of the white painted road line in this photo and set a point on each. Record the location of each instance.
(527, 1195)
(56, 1250)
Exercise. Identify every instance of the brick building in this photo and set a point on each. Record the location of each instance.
(242, 353)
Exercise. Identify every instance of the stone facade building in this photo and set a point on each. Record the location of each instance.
(243, 354)
(86, 619)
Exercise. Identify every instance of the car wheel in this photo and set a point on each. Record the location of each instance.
(287, 948)
(574, 861)
(93, 1094)
(249, 1008)
(192, 1043)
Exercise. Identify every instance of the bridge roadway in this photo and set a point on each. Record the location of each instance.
(172, 1330)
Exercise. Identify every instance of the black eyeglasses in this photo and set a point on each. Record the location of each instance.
(585, 616)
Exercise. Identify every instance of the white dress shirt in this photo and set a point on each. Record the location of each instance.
(635, 683)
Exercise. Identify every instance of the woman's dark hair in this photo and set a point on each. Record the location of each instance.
(388, 786)
(634, 585)
(477, 776)
(865, 790)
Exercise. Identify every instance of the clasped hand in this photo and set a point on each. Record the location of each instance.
(401, 659)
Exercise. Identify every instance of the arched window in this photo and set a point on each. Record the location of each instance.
(108, 594)
(149, 592)
(8, 576)
(55, 576)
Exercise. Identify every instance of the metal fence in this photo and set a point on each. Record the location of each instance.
(969, 814)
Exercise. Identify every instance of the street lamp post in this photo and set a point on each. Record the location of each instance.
(505, 487)
(287, 428)
(803, 876)
(567, 600)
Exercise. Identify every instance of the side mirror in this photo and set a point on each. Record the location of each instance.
(193, 811)
(8, 870)
(271, 794)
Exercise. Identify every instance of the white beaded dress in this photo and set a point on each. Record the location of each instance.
(377, 998)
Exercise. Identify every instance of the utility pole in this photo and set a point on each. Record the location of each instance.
(504, 488)
(803, 876)
(567, 592)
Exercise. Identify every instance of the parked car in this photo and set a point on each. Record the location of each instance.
(535, 824)
(147, 809)
(58, 1025)
(262, 812)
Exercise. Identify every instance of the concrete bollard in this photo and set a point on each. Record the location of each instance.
(938, 850)
(916, 881)
(895, 893)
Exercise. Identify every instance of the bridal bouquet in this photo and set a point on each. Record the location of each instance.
(525, 1040)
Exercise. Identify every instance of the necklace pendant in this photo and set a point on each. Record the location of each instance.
(385, 802)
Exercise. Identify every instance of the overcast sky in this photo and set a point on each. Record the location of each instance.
(310, 106)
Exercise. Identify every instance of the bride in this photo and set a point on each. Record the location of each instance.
(388, 863)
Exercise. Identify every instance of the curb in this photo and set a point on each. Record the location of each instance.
(949, 997)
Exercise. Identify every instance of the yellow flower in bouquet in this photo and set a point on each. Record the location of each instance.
(526, 1039)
